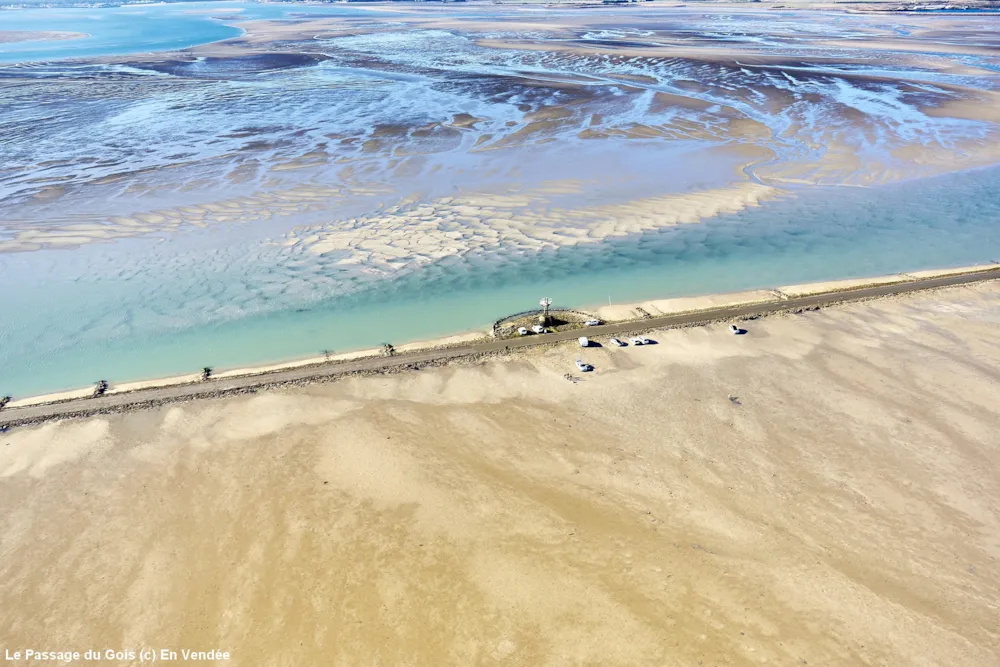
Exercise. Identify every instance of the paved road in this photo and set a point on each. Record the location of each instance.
(149, 397)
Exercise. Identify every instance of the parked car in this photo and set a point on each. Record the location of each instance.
(538, 329)
(583, 367)
(617, 342)
(584, 342)
(592, 323)
(521, 331)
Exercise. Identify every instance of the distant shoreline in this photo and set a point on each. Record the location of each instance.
(622, 319)
(924, 6)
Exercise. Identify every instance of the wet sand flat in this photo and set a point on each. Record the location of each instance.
(742, 97)
(821, 490)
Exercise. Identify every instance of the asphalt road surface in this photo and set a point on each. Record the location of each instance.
(149, 397)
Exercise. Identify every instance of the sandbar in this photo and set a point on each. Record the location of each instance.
(14, 36)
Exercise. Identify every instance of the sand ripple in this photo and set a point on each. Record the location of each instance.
(409, 236)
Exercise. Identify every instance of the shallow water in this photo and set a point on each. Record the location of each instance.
(176, 305)
(115, 31)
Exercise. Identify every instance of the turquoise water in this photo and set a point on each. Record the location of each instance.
(92, 150)
(115, 31)
(166, 314)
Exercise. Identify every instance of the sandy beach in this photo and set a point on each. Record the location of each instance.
(818, 491)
